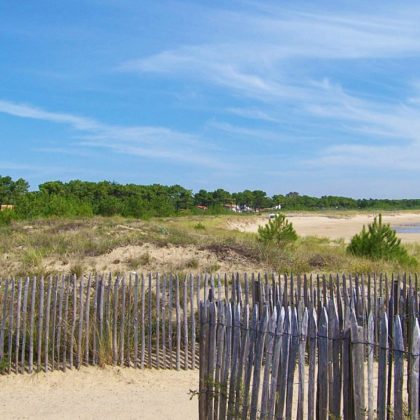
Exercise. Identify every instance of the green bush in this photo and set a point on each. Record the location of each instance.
(379, 242)
(6, 217)
(278, 231)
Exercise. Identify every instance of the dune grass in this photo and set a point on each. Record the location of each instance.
(30, 247)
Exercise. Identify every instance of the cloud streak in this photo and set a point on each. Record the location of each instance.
(143, 141)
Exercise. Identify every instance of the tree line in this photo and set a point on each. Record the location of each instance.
(81, 198)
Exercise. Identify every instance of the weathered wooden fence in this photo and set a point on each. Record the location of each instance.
(141, 321)
(337, 347)
(65, 322)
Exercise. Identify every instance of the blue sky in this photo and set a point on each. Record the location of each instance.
(316, 97)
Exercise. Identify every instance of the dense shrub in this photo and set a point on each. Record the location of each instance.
(379, 242)
(6, 217)
(278, 231)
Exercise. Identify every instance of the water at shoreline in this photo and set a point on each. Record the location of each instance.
(408, 228)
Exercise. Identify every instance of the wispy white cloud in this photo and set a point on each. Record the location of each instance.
(255, 57)
(259, 60)
(158, 143)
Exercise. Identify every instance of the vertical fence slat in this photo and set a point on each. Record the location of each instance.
(150, 326)
(185, 323)
(87, 319)
(178, 326)
(143, 334)
(415, 368)
(293, 352)
(192, 322)
(11, 328)
(323, 365)
(283, 367)
(250, 361)
(226, 362)
(202, 395)
(115, 323)
(54, 321)
(382, 365)
(220, 347)
(136, 320)
(31, 326)
(312, 334)
(73, 324)
(212, 320)
(275, 363)
(122, 324)
(24, 331)
(302, 347)
(268, 363)
(357, 338)
(3, 321)
(259, 351)
(170, 302)
(47, 324)
(60, 319)
(371, 351)
(80, 332)
(398, 350)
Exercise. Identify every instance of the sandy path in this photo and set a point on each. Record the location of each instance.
(335, 227)
(93, 393)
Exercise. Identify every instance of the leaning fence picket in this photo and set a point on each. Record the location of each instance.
(382, 364)
(260, 342)
(312, 334)
(414, 377)
(293, 352)
(323, 365)
(398, 350)
(301, 363)
(268, 363)
(31, 326)
(371, 350)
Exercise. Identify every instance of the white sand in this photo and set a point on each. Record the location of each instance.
(93, 393)
(335, 227)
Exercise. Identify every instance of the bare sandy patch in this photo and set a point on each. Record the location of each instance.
(335, 227)
(149, 257)
(94, 393)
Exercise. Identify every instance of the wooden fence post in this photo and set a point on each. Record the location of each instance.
(276, 362)
(302, 347)
(312, 333)
(220, 348)
(136, 320)
(11, 329)
(371, 351)
(235, 356)
(382, 365)
(202, 395)
(284, 360)
(212, 321)
(398, 350)
(268, 363)
(323, 365)
(261, 333)
(357, 352)
(415, 368)
(249, 362)
(224, 385)
(293, 352)
(31, 326)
